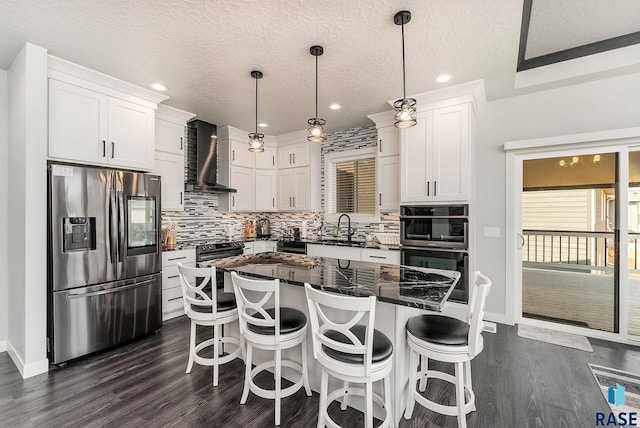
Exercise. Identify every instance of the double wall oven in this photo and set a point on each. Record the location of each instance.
(437, 237)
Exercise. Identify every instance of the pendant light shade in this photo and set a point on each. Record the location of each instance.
(256, 140)
(316, 130)
(405, 107)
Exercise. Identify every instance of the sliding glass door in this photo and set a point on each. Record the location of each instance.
(569, 258)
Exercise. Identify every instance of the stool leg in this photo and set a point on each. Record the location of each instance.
(322, 409)
(192, 347)
(387, 401)
(368, 397)
(278, 379)
(305, 370)
(247, 375)
(424, 366)
(216, 356)
(345, 397)
(413, 369)
(467, 381)
(459, 374)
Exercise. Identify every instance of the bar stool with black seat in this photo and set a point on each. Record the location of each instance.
(449, 340)
(351, 352)
(273, 329)
(205, 306)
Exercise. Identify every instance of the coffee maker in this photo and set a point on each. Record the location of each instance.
(263, 228)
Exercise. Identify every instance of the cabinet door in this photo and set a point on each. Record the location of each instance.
(248, 248)
(415, 161)
(450, 153)
(285, 157)
(169, 137)
(388, 183)
(170, 167)
(266, 182)
(302, 183)
(77, 123)
(240, 154)
(267, 159)
(300, 154)
(285, 190)
(242, 179)
(388, 141)
(131, 135)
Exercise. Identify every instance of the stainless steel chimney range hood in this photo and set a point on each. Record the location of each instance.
(204, 140)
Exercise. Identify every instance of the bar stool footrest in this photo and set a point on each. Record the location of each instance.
(469, 404)
(270, 393)
(205, 361)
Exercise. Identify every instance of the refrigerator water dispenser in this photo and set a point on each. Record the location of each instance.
(78, 234)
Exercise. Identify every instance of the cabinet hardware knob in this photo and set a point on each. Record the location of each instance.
(380, 199)
(435, 188)
(428, 184)
(104, 149)
(290, 162)
(233, 201)
(294, 158)
(180, 198)
(380, 145)
(294, 202)
(273, 202)
(113, 149)
(181, 143)
(233, 155)
(273, 160)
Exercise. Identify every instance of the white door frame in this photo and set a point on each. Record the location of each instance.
(619, 140)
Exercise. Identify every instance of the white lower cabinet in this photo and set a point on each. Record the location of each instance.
(358, 254)
(257, 247)
(248, 248)
(375, 255)
(172, 305)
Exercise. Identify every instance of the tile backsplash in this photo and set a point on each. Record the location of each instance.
(201, 221)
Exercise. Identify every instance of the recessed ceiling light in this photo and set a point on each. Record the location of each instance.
(443, 78)
(335, 106)
(159, 87)
(262, 125)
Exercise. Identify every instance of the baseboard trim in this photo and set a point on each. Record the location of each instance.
(3, 346)
(27, 370)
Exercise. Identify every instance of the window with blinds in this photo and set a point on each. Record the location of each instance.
(354, 186)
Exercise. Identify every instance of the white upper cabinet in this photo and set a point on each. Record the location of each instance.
(240, 154)
(435, 156)
(99, 120)
(266, 190)
(169, 155)
(388, 141)
(293, 155)
(388, 183)
(243, 180)
(267, 159)
(131, 135)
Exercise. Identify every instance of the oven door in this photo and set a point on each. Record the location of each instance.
(442, 226)
(446, 259)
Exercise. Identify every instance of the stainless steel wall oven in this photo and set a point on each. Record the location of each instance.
(437, 237)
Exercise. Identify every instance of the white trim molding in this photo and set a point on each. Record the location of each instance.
(3, 346)
(27, 370)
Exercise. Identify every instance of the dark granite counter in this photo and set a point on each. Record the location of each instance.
(401, 285)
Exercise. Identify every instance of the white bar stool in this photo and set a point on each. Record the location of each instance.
(450, 340)
(206, 308)
(273, 329)
(350, 352)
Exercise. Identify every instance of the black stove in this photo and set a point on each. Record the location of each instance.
(208, 252)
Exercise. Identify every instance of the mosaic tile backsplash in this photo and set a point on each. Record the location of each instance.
(201, 222)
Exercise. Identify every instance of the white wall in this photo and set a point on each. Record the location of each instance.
(601, 105)
(4, 135)
(27, 260)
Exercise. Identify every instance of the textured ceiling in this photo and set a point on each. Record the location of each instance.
(558, 25)
(204, 51)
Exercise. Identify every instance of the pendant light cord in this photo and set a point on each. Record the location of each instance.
(256, 105)
(316, 86)
(404, 77)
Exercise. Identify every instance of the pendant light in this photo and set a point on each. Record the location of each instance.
(316, 131)
(256, 140)
(405, 107)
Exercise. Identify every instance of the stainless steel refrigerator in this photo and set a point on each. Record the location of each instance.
(104, 260)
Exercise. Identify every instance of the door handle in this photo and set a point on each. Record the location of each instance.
(380, 199)
(104, 149)
(180, 198)
(522, 240)
(233, 201)
(290, 162)
(181, 143)
(428, 184)
(113, 149)
(109, 291)
(273, 160)
(435, 188)
(380, 146)
(273, 202)
(233, 155)
(294, 158)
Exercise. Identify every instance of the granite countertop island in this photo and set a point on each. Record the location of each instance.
(415, 287)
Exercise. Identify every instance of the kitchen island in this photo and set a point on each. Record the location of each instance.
(402, 292)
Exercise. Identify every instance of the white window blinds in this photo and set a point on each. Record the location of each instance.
(355, 186)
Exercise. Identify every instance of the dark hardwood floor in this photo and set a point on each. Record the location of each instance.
(518, 382)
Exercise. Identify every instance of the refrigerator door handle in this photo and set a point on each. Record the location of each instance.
(121, 227)
(113, 222)
(72, 296)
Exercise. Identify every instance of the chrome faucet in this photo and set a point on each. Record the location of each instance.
(349, 231)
